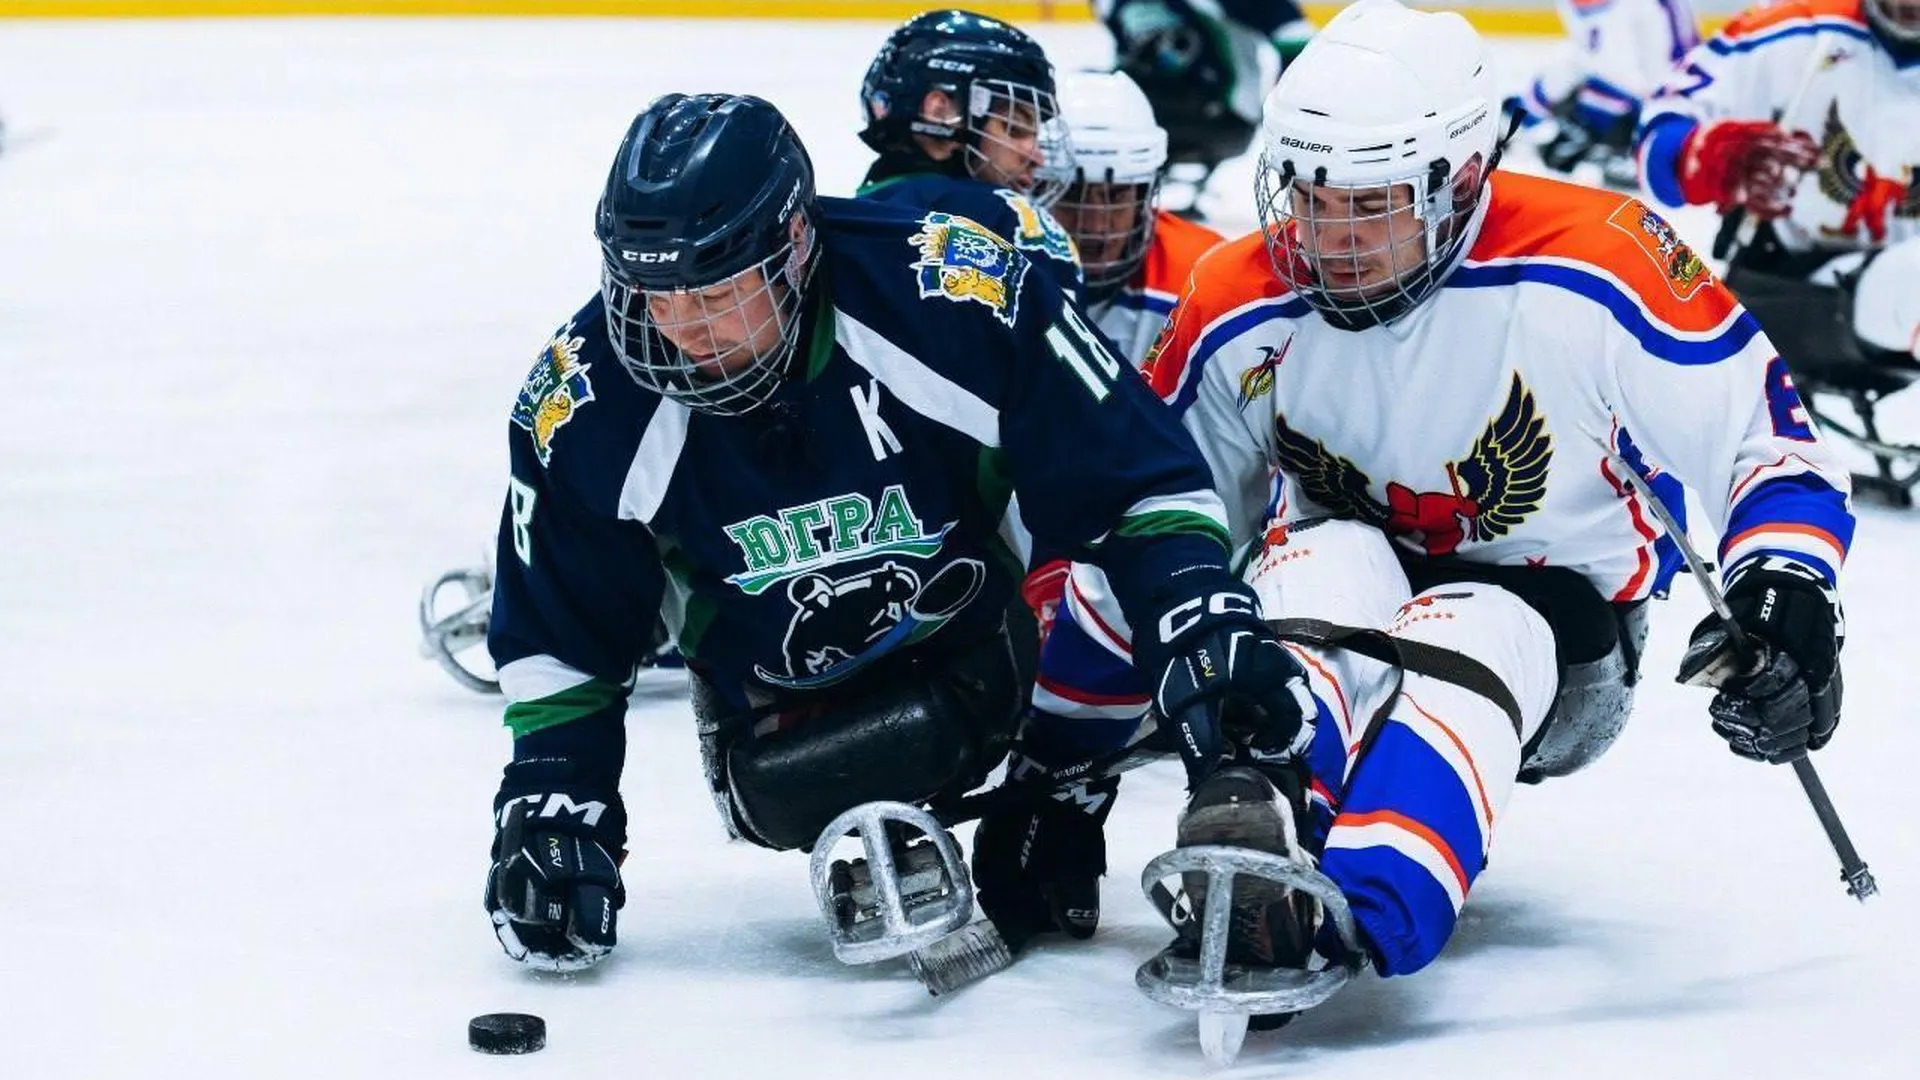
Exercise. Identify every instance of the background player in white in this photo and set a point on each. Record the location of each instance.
(1453, 357)
(1800, 122)
(1586, 103)
(1135, 255)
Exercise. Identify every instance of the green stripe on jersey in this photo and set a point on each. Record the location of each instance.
(1165, 522)
(527, 717)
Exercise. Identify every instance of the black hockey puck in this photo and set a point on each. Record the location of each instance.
(506, 1033)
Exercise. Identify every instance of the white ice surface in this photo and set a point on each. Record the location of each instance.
(266, 292)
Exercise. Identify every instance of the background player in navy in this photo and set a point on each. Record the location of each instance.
(961, 109)
(830, 404)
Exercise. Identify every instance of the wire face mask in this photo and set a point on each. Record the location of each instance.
(1018, 139)
(723, 348)
(1366, 255)
(1112, 225)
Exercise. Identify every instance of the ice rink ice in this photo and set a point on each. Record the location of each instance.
(267, 290)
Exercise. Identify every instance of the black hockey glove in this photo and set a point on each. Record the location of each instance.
(1786, 700)
(555, 883)
(1224, 685)
(1037, 865)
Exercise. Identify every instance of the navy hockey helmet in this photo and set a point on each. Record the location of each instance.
(1000, 84)
(707, 239)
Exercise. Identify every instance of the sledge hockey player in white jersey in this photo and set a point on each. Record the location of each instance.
(806, 418)
(1455, 360)
(1585, 105)
(1135, 255)
(1800, 122)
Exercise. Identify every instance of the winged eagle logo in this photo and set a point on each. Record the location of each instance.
(1501, 480)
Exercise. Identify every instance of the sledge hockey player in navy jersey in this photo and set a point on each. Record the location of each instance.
(1136, 256)
(962, 111)
(1800, 122)
(804, 418)
(1453, 363)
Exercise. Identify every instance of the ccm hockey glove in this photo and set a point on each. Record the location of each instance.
(1224, 685)
(555, 883)
(1748, 163)
(1787, 700)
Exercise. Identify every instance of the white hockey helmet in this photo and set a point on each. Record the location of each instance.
(1119, 154)
(1375, 148)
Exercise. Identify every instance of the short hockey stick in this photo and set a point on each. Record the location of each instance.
(1853, 869)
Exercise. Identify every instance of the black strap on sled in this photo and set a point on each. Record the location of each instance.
(1403, 656)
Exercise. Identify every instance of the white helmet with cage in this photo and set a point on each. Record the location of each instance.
(1375, 149)
(1119, 155)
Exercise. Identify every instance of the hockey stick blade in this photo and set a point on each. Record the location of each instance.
(963, 957)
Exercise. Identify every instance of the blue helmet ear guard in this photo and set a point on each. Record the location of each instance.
(707, 189)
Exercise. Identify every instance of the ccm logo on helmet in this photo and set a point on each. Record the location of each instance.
(1302, 144)
(651, 256)
(939, 64)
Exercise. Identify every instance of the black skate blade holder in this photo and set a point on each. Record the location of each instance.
(443, 636)
(898, 912)
(1207, 984)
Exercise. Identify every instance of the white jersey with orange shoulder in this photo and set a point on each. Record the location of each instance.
(1846, 73)
(1453, 356)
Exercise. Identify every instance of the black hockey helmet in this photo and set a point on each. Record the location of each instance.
(1897, 24)
(990, 69)
(707, 238)
(1188, 75)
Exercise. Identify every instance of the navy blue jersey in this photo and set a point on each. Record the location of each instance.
(858, 514)
(1032, 229)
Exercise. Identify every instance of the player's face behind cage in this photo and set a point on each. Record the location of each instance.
(1016, 138)
(1111, 224)
(1364, 255)
(721, 348)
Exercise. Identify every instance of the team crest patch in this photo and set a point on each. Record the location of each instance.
(1038, 231)
(1257, 381)
(961, 261)
(555, 389)
(1684, 270)
(864, 576)
(1492, 490)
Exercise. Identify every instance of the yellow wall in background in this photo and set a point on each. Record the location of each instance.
(1518, 18)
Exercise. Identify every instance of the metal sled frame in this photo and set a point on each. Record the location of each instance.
(442, 637)
(1205, 985)
(905, 915)
(1898, 464)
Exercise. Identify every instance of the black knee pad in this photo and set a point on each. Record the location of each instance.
(919, 730)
